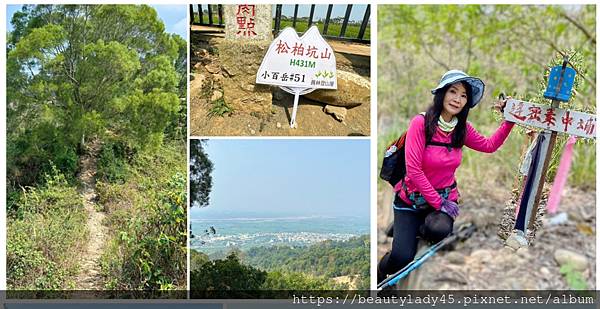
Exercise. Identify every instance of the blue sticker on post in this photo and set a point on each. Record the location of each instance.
(560, 92)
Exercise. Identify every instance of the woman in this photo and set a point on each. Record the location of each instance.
(427, 198)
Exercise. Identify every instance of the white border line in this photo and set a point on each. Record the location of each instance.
(187, 158)
(373, 144)
(3, 196)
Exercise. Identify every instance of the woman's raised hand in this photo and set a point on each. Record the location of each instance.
(501, 103)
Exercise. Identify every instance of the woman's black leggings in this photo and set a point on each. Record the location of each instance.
(409, 224)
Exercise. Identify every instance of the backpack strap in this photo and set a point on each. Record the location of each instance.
(447, 145)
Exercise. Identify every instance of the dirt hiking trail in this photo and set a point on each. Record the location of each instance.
(89, 277)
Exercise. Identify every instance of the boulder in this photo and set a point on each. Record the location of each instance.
(240, 61)
(352, 90)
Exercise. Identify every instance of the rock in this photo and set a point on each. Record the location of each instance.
(559, 219)
(455, 258)
(252, 132)
(213, 68)
(352, 90)
(248, 87)
(196, 84)
(218, 78)
(216, 95)
(481, 255)
(516, 240)
(279, 125)
(240, 90)
(482, 219)
(578, 261)
(523, 252)
(201, 53)
(227, 71)
(339, 113)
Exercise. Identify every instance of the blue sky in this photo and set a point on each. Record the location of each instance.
(173, 16)
(288, 177)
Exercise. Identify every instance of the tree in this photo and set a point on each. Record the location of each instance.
(226, 278)
(200, 174)
(77, 71)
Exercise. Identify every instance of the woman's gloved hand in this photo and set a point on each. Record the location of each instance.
(449, 207)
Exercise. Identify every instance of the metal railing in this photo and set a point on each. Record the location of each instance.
(205, 15)
(343, 34)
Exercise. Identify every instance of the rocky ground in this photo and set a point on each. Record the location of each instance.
(483, 262)
(210, 119)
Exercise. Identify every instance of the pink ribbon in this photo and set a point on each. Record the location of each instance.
(561, 176)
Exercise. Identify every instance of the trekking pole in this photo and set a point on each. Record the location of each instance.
(393, 279)
(462, 233)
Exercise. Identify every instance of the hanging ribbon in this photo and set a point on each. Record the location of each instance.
(561, 176)
(525, 165)
(527, 190)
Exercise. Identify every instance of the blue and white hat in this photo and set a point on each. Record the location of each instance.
(453, 76)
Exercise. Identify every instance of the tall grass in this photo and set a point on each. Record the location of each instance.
(46, 231)
(147, 212)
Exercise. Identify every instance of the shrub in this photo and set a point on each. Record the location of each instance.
(112, 163)
(44, 234)
(148, 245)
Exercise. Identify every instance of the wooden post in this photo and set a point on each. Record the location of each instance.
(532, 207)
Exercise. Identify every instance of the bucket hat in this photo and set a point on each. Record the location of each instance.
(453, 76)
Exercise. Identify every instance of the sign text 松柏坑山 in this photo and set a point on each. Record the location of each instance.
(301, 62)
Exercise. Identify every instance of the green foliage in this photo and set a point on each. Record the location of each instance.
(77, 71)
(511, 47)
(333, 29)
(147, 212)
(197, 259)
(112, 163)
(45, 229)
(327, 259)
(226, 278)
(219, 108)
(200, 174)
(229, 277)
(282, 280)
(574, 278)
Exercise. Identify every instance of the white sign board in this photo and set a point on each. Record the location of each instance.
(554, 119)
(299, 62)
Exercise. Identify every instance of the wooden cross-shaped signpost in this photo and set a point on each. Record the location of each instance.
(553, 120)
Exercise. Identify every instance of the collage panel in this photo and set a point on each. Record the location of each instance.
(217, 155)
(280, 70)
(96, 151)
(463, 81)
(272, 217)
